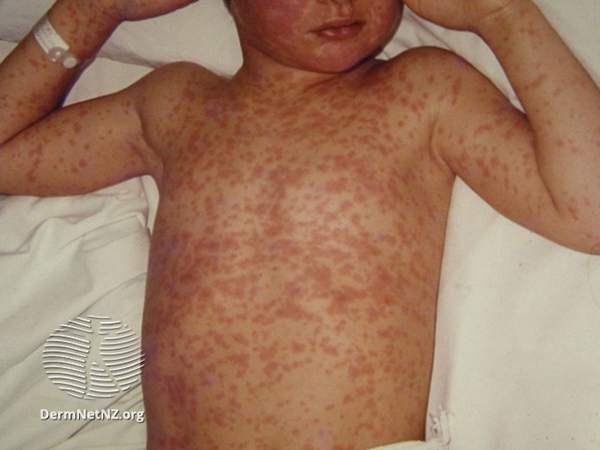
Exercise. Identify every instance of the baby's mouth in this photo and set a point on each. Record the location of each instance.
(339, 29)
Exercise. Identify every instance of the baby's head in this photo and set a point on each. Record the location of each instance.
(326, 36)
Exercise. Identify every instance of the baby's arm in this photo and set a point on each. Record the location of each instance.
(30, 84)
(542, 169)
(82, 147)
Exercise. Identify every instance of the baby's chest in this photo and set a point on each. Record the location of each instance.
(301, 144)
(300, 178)
(307, 162)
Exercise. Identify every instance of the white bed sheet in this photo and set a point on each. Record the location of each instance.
(517, 357)
(62, 258)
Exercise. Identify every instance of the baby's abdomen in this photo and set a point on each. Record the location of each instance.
(289, 344)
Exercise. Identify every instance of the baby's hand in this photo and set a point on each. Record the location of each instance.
(123, 10)
(459, 14)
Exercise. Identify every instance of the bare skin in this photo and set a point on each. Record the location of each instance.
(295, 260)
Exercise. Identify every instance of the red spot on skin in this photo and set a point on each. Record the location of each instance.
(298, 347)
(538, 82)
(270, 353)
(189, 277)
(37, 151)
(272, 370)
(241, 362)
(329, 348)
(189, 94)
(485, 128)
(574, 212)
(241, 339)
(508, 135)
(483, 166)
(456, 90)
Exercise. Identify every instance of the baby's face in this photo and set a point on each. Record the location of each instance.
(326, 36)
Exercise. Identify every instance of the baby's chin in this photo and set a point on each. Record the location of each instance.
(338, 67)
(336, 62)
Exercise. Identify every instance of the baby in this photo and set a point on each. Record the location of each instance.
(296, 255)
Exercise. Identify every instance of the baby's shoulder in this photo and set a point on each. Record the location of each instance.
(427, 60)
(169, 98)
(174, 92)
(428, 79)
(177, 78)
(428, 69)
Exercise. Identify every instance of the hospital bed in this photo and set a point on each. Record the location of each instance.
(517, 358)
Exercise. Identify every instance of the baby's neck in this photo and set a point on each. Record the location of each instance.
(284, 82)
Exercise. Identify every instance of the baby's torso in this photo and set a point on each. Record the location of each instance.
(293, 275)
